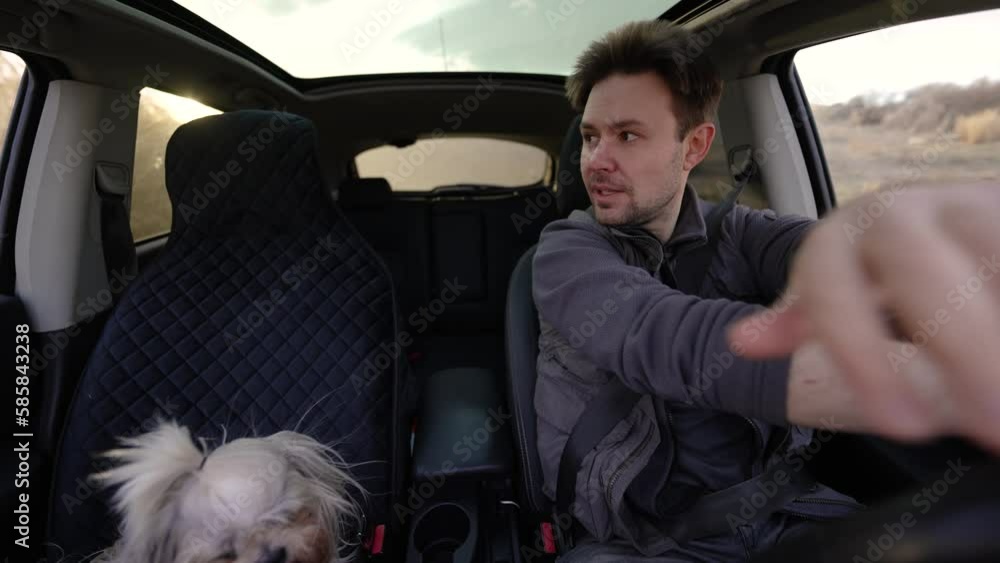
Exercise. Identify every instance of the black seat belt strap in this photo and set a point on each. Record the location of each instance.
(603, 412)
(719, 512)
(693, 266)
(111, 182)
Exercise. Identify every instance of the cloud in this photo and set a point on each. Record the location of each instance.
(518, 35)
(523, 6)
(284, 7)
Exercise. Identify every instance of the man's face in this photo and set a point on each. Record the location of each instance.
(632, 162)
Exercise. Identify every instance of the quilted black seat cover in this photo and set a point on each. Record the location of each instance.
(265, 311)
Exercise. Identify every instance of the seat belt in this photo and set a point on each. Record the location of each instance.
(615, 401)
(111, 181)
(693, 266)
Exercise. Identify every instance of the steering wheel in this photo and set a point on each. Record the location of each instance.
(954, 519)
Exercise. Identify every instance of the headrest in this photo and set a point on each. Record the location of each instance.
(246, 172)
(364, 192)
(571, 193)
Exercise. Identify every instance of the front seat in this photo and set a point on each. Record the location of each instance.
(570, 192)
(522, 337)
(264, 312)
(522, 355)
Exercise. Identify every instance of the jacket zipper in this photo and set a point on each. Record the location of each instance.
(827, 501)
(794, 512)
(759, 440)
(673, 452)
(621, 469)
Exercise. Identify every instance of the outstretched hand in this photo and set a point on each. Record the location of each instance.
(893, 278)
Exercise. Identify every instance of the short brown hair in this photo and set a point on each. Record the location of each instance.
(657, 46)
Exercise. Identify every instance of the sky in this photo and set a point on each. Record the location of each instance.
(958, 49)
(315, 38)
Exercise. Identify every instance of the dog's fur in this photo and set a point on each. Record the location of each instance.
(277, 499)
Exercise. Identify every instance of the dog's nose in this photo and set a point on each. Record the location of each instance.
(274, 555)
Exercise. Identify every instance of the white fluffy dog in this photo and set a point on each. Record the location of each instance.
(277, 499)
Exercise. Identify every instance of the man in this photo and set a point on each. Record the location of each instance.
(718, 383)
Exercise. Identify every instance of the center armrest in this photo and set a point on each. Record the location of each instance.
(463, 428)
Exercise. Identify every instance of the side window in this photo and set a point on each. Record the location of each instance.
(917, 103)
(712, 179)
(11, 71)
(160, 114)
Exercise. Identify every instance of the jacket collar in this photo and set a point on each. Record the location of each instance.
(640, 247)
(689, 231)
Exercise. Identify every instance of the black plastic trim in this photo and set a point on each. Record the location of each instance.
(686, 10)
(182, 18)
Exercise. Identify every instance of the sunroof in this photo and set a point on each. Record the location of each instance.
(319, 38)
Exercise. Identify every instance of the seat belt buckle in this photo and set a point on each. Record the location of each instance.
(563, 537)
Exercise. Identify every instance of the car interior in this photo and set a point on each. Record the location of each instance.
(309, 274)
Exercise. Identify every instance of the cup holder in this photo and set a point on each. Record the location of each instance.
(442, 534)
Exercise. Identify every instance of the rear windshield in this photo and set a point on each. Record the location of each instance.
(431, 163)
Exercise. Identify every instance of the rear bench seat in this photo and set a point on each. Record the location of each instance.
(480, 239)
(428, 240)
(398, 231)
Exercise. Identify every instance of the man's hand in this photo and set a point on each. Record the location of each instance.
(927, 258)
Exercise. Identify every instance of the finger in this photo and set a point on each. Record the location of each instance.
(975, 228)
(947, 306)
(978, 231)
(932, 385)
(842, 309)
(775, 332)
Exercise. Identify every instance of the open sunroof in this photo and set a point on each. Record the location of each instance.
(327, 38)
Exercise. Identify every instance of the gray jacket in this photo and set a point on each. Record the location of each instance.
(605, 312)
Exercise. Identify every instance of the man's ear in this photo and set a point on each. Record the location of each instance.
(696, 144)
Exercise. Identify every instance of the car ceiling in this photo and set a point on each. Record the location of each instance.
(110, 43)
